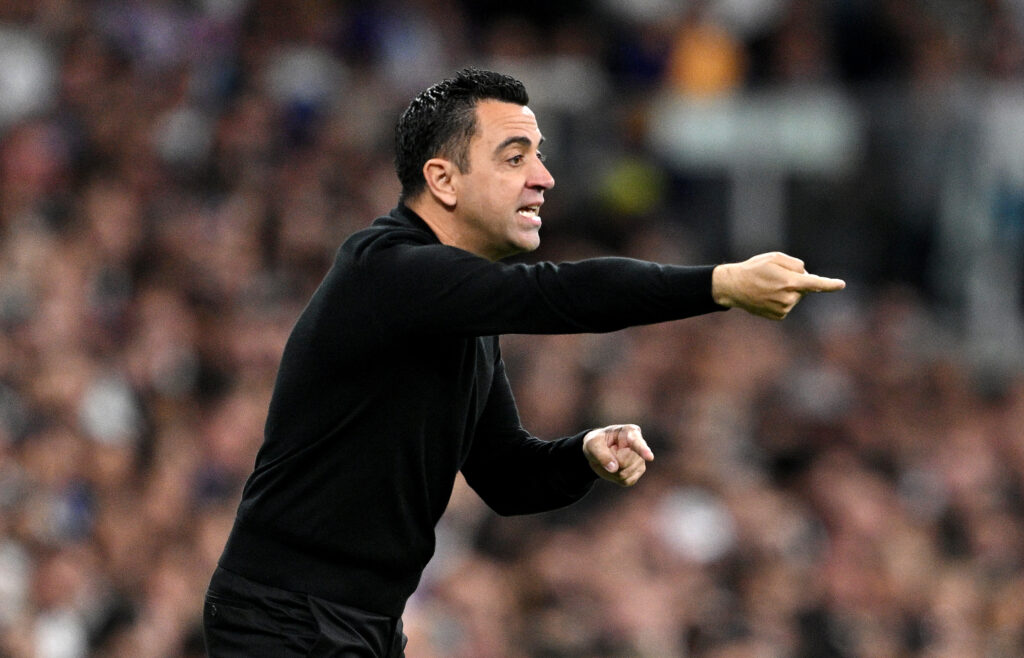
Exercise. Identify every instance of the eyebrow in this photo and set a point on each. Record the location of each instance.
(518, 139)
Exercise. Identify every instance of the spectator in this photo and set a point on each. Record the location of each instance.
(170, 189)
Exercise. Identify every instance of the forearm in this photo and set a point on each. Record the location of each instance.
(607, 294)
(528, 475)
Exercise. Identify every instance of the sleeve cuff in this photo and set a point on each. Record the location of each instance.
(576, 474)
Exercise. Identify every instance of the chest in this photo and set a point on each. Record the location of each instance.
(455, 373)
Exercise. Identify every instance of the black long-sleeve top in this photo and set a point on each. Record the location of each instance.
(392, 382)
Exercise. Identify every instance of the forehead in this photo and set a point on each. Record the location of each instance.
(498, 121)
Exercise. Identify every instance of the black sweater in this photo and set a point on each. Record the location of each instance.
(392, 382)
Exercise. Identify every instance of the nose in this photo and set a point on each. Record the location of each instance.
(540, 177)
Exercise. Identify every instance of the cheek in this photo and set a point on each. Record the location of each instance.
(493, 198)
(510, 192)
(496, 193)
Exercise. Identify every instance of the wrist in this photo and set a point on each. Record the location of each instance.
(721, 280)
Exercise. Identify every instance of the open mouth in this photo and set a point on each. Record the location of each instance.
(530, 213)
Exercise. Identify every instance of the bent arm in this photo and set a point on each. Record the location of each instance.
(515, 473)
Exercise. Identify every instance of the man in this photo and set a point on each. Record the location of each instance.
(392, 382)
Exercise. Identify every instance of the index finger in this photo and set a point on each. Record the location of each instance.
(635, 441)
(815, 283)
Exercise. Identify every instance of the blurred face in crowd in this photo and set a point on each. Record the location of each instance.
(499, 195)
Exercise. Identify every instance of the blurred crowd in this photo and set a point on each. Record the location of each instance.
(175, 176)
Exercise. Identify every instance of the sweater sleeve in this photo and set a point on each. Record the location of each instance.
(515, 473)
(435, 288)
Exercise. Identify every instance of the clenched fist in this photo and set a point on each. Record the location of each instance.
(617, 453)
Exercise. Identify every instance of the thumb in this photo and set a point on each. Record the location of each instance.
(597, 451)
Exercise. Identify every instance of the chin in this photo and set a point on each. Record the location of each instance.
(530, 245)
(517, 248)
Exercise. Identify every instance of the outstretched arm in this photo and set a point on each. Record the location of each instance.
(768, 285)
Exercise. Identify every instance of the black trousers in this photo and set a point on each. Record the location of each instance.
(242, 618)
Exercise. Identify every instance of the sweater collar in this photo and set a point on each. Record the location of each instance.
(403, 216)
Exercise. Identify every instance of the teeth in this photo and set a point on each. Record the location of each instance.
(528, 212)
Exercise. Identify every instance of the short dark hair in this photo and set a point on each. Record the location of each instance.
(441, 121)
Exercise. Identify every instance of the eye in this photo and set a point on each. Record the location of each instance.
(541, 156)
(516, 159)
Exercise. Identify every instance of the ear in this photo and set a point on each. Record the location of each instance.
(439, 174)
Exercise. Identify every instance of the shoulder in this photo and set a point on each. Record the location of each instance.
(399, 227)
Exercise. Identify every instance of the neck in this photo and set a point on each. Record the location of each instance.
(443, 223)
(437, 218)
